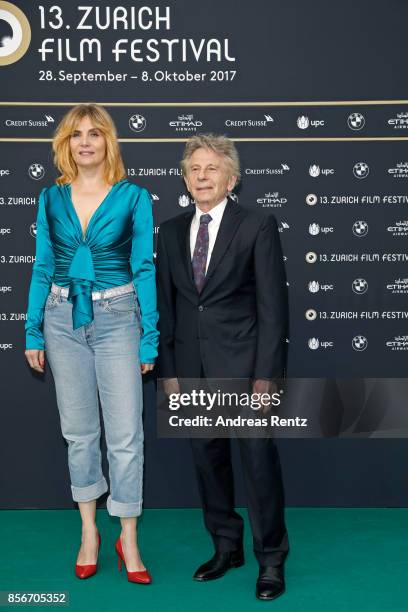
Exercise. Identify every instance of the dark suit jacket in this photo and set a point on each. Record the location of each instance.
(236, 327)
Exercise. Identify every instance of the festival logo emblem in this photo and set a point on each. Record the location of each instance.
(311, 314)
(311, 257)
(311, 199)
(15, 33)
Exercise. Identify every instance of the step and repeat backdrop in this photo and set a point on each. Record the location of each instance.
(316, 100)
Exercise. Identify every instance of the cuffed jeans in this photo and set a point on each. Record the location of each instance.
(102, 356)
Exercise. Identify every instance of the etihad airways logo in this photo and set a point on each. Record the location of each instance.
(399, 286)
(399, 229)
(272, 200)
(400, 170)
(400, 122)
(186, 123)
(398, 343)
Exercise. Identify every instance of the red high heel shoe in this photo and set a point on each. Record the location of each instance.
(140, 577)
(86, 571)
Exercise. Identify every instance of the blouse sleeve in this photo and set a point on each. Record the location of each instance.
(41, 279)
(144, 278)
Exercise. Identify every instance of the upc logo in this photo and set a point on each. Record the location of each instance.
(184, 201)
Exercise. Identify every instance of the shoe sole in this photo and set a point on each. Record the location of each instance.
(234, 566)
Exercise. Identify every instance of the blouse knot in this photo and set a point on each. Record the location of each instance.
(82, 277)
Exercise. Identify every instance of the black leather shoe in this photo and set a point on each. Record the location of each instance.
(219, 564)
(270, 583)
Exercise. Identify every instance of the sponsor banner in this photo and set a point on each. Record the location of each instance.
(179, 121)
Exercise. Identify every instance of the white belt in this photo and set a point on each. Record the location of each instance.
(96, 295)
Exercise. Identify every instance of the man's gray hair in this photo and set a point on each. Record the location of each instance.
(219, 144)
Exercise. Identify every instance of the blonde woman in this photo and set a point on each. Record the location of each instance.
(92, 312)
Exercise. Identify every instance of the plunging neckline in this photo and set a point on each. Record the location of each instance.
(84, 234)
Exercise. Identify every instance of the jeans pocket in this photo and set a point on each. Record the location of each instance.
(51, 302)
(122, 304)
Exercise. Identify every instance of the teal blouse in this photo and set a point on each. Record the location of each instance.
(117, 248)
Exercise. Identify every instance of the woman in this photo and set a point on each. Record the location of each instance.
(92, 307)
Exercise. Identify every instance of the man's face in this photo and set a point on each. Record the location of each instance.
(208, 178)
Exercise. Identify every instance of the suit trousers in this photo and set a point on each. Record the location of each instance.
(263, 480)
(264, 485)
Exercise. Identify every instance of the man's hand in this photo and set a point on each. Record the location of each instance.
(261, 386)
(36, 359)
(171, 385)
(146, 367)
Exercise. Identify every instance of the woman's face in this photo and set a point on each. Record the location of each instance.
(87, 144)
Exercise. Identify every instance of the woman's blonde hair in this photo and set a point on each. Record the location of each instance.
(63, 160)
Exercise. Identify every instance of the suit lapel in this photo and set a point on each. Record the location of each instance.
(184, 243)
(229, 224)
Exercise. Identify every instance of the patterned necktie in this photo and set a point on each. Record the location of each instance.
(199, 261)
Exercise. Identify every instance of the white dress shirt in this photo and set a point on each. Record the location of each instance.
(213, 227)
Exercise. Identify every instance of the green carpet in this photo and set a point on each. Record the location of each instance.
(340, 560)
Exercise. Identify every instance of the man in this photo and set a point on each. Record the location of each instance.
(223, 311)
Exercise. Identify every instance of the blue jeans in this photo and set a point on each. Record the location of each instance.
(101, 357)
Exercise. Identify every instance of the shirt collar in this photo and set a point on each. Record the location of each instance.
(216, 212)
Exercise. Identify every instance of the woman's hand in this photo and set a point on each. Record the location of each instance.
(146, 367)
(36, 359)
